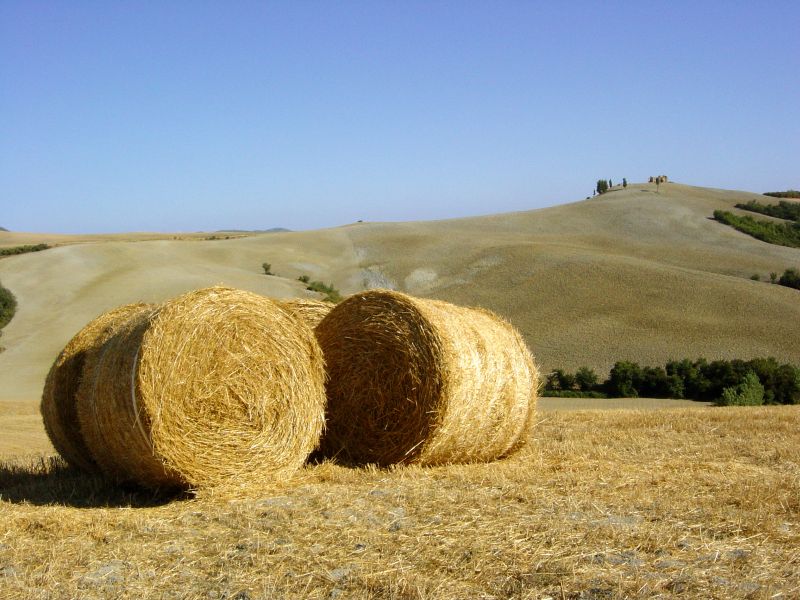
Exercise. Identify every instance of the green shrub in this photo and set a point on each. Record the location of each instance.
(786, 385)
(304, 278)
(748, 393)
(561, 380)
(23, 249)
(689, 373)
(267, 268)
(623, 379)
(786, 194)
(783, 210)
(8, 306)
(586, 379)
(782, 234)
(331, 293)
(790, 278)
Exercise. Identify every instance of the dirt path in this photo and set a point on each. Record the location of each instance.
(548, 404)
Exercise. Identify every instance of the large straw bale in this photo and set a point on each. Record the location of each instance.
(58, 406)
(311, 311)
(422, 381)
(215, 387)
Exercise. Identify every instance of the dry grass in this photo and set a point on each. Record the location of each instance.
(19, 238)
(423, 381)
(22, 429)
(209, 388)
(700, 503)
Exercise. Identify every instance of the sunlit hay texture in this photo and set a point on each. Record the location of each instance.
(311, 311)
(216, 387)
(422, 381)
(59, 398)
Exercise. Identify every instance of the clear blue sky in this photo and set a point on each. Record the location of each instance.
(183, 116)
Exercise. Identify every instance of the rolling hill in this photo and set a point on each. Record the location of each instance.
(634, 274)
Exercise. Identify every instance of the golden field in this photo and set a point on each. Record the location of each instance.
(691, 502)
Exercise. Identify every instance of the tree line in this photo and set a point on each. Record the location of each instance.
(782, 234)
(690, 379)
(603, 185)
(782, 210)
(23, 249)
(786, 194)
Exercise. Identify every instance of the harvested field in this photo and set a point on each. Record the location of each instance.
(23, 433)
(672, 503)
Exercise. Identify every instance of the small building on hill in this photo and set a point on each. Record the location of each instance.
(658, 179)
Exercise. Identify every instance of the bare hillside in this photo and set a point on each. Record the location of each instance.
(633, 274)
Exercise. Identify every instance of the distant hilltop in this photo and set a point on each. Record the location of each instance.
(3, 229)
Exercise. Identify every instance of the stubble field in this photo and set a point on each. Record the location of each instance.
(698, 502)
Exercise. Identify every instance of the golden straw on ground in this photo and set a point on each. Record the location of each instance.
(311, 311)
(413, 380)
(58, 407)
(216, 387)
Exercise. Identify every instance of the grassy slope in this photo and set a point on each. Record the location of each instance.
(674, 503)
(61, 290)
(630, 275)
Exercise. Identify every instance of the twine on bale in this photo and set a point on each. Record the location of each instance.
(215, 387)
(311, 311)
(422, 381)
(59, 398)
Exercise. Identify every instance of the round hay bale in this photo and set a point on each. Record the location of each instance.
(59, 398)
(310, 311)
(215, 387)
(422, 381)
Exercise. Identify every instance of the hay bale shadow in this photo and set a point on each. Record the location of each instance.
(51, 481)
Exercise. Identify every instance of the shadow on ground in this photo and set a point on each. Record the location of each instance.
(51, 481)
